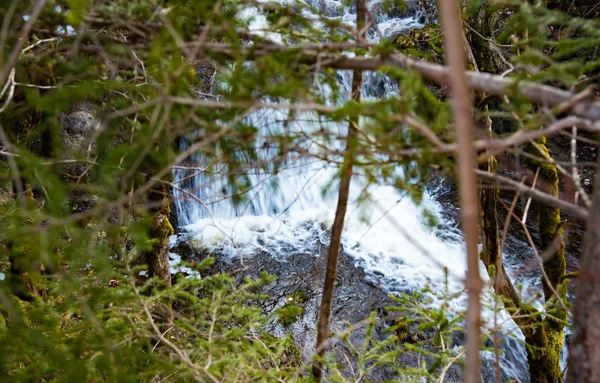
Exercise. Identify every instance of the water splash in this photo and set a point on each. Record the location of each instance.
(288, 213)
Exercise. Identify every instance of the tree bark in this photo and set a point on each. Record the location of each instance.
(340, 213)
(160, 231)
(544, 336)
(487, 54)
(463, 116)
(584, 352)
(544, 353)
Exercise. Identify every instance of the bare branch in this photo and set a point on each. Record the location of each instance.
(478, 81)
(463, 115)
(550, 200)
(16, 52)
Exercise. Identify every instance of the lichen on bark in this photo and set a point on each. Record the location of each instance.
(544, 334)
(160, 231)
(485, 26)
(549, 338)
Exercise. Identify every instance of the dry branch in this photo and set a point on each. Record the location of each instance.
(465, 128)
(497, 85)
(550, 200)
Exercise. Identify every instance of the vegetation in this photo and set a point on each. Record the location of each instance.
(289, 314)
(102, 102)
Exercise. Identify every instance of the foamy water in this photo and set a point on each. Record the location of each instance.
(388, 237)
(288, 213)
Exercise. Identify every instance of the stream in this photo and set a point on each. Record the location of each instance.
(388, 236)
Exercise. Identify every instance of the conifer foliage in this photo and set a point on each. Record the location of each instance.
(102, 101)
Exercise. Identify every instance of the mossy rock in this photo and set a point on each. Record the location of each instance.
(423, 43)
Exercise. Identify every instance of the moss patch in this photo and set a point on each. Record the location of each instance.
(549, 223)
(424, 43)
(289, 314)
(546, 340)
(300, 297)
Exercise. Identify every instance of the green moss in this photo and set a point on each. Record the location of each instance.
(163, 231)
(2, 326)
(405, 42)
(571, 275)
(161, 228)
(543, 354)
(549, 219)
(300, 297)
(550, 225)
(556, 342)
(164, 228)
(50, 79)
(546, 339)
(289, 314)
(160, 231)
(548, 171)
(424, 43)
(528, 309)
(190, 74)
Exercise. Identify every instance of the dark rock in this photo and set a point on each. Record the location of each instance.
(78, 125)
(205, 72)
(356, 296)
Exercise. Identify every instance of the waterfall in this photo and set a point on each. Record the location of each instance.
(285, 212)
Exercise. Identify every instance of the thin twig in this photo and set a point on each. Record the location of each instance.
(528, 204)
(16, 52)
(550, 200)
(13, 167)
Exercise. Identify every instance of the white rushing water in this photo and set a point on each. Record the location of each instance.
(286, 213)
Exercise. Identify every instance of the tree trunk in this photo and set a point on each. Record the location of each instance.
(490, 254)
(584, 352)
(160, 231)
(546, 340)
(487, 54)
(340, 213)
(544, 337)
(543, 361)
(454, 43)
